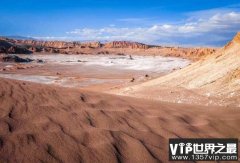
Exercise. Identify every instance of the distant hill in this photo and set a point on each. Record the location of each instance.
(19, 37)
(114, 47)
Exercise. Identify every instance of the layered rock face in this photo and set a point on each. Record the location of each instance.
(126, 44)
(115, 47)
(91, 44)
(59, 44)
(52, 44)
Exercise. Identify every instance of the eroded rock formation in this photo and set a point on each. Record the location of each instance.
(126, 44)
(8, 47)
(115, 47)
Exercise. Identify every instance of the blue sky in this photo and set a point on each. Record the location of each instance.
(166, 22)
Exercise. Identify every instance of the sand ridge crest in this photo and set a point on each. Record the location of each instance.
(237, 38)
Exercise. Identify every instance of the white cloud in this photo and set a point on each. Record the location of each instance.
(198, 29)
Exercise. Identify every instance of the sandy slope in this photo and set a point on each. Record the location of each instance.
(217, 76)
(41, 123)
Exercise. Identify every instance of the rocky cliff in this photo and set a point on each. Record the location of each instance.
(58, 44)
(116, 47)
(126, 44)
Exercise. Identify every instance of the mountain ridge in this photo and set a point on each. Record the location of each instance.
(114, 47)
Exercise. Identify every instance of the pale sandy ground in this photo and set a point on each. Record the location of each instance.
(41, 123)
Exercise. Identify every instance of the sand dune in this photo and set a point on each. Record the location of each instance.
(41, 123)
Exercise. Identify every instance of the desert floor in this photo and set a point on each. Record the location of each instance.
(95, 72)
(67, 112)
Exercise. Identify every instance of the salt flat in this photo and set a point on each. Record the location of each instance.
(149, 63)
(93, 70)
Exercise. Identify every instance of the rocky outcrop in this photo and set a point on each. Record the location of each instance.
(59, 44)
(51, 44)
(91, 44)
(8, 47)
(4, 46)
(14, 58)
(126, 44)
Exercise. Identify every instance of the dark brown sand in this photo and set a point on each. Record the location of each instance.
(41, 123)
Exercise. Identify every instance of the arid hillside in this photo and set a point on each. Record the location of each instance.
(215, 76)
